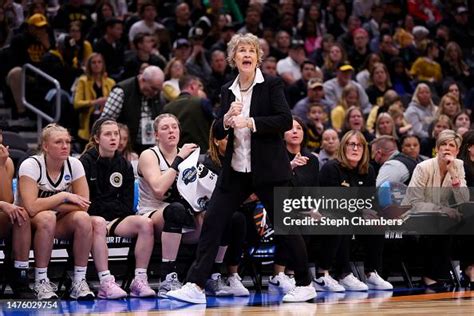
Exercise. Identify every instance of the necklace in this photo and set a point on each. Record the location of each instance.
(247, 89)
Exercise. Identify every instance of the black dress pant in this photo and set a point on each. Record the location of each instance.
(437, 256)
(374, 245)
(223, 203)
(336, 253)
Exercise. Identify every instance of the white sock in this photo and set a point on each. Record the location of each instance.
(79, 273)
(21, 264)
(41, 274)
(140, 272)
(102, 275)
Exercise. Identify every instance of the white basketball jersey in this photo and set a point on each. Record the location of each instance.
(34, 167)
(147, 201)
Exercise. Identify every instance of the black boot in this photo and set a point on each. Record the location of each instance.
(20, 284)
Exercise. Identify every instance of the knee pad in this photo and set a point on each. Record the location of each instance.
(176, 217)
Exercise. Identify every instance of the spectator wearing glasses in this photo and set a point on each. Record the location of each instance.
(351, 168)
(135, 102)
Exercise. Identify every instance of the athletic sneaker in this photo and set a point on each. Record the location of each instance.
(215, 286)
(169, 284)
(110, 290)
(327, 284)
(280, 284)
(45, 290)
(80, 291)
(141, 288)
(351, 283)
(190, 293)
(236, 287)
(300, 294)
(375, 282)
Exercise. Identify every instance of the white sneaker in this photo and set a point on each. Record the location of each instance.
(215, 286)
(375, 282)
(236, 286)
(327, 284)
(170, 283)
(80, 291)
(300, 294)
(45, 290)
(190, 293)
(280, 284)
(351, 283)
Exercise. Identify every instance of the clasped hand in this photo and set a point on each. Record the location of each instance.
(233, 118)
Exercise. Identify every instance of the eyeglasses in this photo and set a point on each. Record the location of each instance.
(355, 145)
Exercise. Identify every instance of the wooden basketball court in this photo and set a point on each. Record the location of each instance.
(454, 303)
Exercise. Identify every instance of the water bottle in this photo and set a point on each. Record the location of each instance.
(385, 194)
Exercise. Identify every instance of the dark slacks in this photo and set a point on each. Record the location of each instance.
(336, 253)
(223, 204)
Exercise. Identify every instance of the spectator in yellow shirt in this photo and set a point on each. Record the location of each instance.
(425, 68)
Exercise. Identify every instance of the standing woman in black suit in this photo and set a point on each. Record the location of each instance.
(254, 115)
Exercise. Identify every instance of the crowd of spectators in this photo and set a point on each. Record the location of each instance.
(376, 46)
(394, 74)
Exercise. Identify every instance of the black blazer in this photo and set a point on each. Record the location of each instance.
(272, 116)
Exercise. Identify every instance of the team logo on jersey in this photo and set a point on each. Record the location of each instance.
(189, 175)
(202, 170)
(67, 177)
(116, 179)
(203, 203)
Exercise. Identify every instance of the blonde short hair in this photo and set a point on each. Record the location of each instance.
(447, 135)
(48, 130)
(239, 39)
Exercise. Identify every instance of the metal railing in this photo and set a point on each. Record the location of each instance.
(57, 104)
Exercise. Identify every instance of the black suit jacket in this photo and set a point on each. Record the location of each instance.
(272, 116)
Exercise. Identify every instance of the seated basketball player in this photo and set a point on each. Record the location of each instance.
(53, 190)
(111, 180)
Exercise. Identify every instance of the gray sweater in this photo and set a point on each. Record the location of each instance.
(420, 117)
(333, 92)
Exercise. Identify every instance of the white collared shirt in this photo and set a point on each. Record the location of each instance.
(242, 136)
